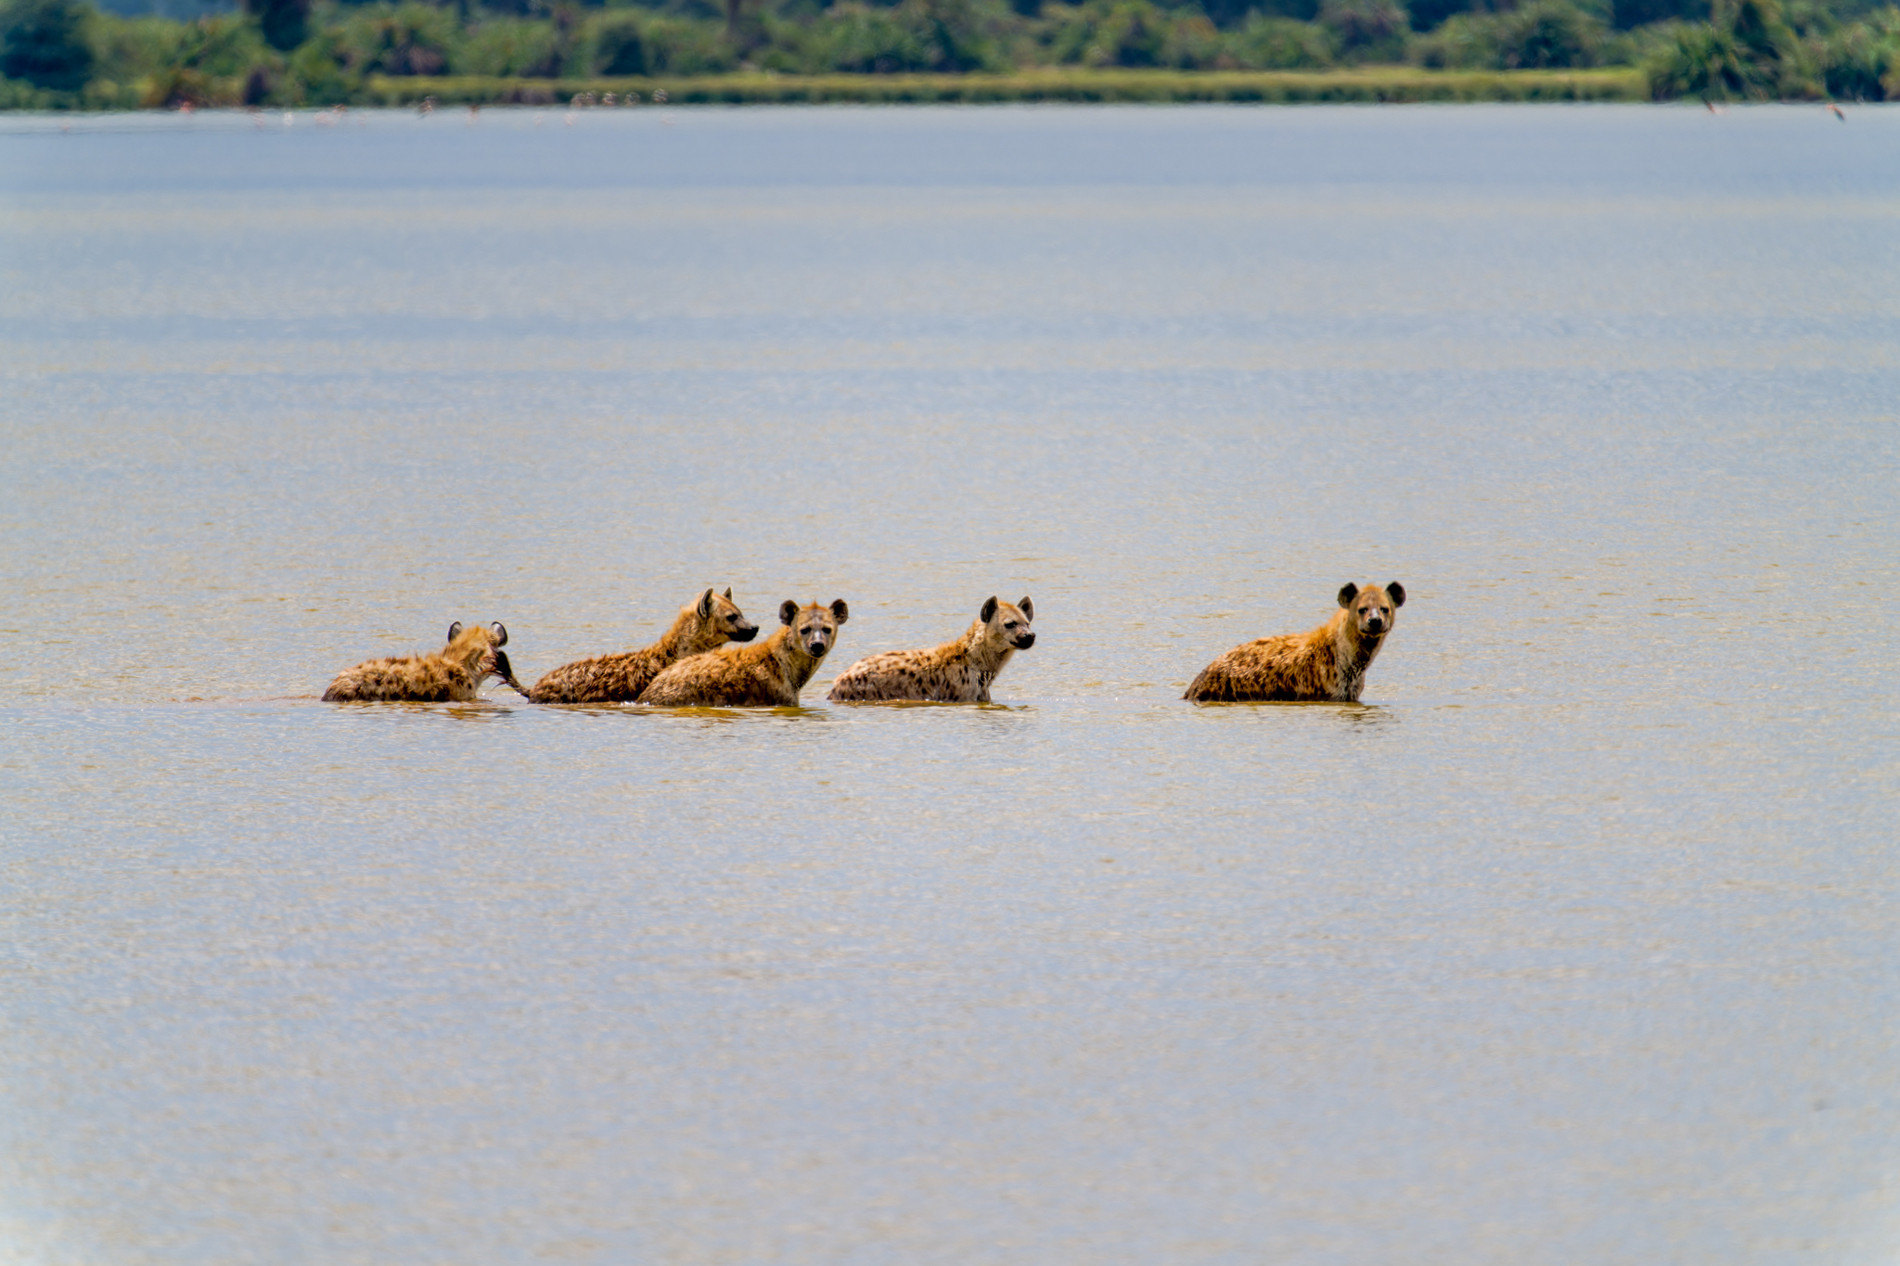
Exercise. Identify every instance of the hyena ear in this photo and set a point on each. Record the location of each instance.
(728, 593)
(839, 611)
(786, 611)
(1347, 592)
(1395, 591)
(988, 611)
(1028, 609)
(501, 633)
(455, 630)
(705, 604)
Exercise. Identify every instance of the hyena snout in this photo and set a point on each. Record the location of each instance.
(1025, 641)
(744, 631)
(817, 645)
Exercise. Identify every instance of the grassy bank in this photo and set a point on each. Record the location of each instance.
(1364, 85)
(1371, 84)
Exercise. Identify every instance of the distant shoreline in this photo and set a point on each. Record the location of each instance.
(1377, 84)
(1368, 85)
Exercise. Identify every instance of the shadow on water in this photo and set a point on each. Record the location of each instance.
(1356, 715)
(933, 705)
(481, 711)
(732, 716)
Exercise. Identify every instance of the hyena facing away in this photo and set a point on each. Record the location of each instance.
(701, 626)
(768, 674)
(452, 675)
(959, 671)
(1327, 663)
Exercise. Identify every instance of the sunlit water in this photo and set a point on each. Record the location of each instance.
(1577, 943)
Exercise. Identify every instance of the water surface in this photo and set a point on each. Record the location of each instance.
(1574, 943)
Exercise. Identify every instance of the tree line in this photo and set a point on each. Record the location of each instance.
(67, 53)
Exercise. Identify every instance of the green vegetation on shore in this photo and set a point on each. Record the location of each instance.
(65, 54)
(1371, 84)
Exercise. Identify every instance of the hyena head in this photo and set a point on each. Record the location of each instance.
(1006, 626)
(720, 621)
(1372, 610)
(813, 629)
(478, 651)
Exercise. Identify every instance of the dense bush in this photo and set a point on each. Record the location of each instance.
(1464, 41)
(852, 37)
(509, 46)
(1862, 62)
(1628, 14)
(615, 44)
(1266, 43)
(687, 46)
(136, 48)
(406, 39)
(1367, 30)
(1136, 34)
(1745, 53)
(1130, 33)
(1548, 35)
(47, 43)
(284, 23)
(917, 35)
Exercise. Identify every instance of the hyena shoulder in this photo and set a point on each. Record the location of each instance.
(702, 625)
(453, 674)
(958, 671)
(1327, 663)
(768, 674)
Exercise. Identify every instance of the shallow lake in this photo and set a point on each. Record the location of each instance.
(1576, 942)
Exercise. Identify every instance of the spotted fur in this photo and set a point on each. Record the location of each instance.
(703, 625)
(766, 674)
(453, 674)
(1328, 663)
(959, 671)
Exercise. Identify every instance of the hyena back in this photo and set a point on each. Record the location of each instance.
(959, 671)
(703, 625)
(1326, 663)
(766, 674)
(453, 674)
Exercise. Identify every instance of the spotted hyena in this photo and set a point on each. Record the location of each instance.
(959, 671)
(452, 675)
(768, 674)
(1329, 663)
(702, 626)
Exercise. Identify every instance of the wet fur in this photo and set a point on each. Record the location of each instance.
(1328, 663)
(453, 674)
(703, 625)
(959, 671)
(766, 674)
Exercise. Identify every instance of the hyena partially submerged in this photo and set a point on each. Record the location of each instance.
(451, 675)
(768, 674)
(959, 671)
(701, 626)
(1327, 663)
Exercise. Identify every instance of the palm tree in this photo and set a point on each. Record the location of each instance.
(1741, 53)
